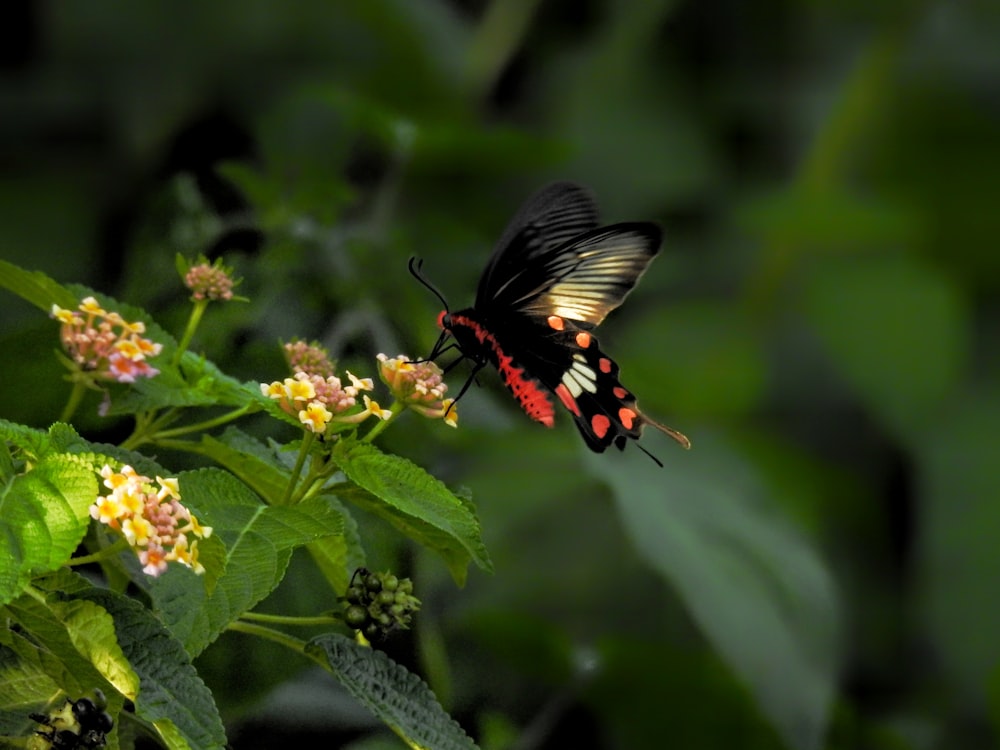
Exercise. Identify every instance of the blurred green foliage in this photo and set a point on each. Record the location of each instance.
(822, 322)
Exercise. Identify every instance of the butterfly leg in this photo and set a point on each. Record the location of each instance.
(469, 381)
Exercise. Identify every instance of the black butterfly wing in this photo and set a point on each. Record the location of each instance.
(584, 280)
(544, 265)
(548, 220)
(571, 365)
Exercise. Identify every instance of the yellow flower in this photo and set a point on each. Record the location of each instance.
(169, 487)
(361, 384)
(91, 306)
(275, 390)
(315, 416)
(137, 529)
(372, 407)
(299, 389)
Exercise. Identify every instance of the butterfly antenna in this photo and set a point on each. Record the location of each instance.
(655, 459)
(415, 265)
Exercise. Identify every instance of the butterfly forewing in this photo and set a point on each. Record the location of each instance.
(588, 278)
(549, 220)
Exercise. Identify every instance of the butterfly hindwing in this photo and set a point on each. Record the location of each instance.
(585, 380)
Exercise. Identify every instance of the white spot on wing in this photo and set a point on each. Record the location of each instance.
(580, 377)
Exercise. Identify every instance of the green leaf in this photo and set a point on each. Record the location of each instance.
(957, 554)
(34, 442)
(92, 632)
(416, 503)
(252, 461)
(259, 540)
(339, 556)
(35, 287)
(53, 631)
(758, 591)
(397, 697)
(258, 466)
(198, 382)
(43, 517)
(171, 695)
(896, 330)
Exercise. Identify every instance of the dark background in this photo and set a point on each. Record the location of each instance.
(822, 322)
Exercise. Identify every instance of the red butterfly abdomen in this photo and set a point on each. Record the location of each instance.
(473, 336)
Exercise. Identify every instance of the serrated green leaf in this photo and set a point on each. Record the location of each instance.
(259, 541)
(396, 696)
(35, 287)
(23, 682)
(6, 462)
(170, 689)
(416, 503)
(43, 517)
(91, 630)
(249, 459)
(197, 382)
(755, 587)
(54, 632)
(33, 441)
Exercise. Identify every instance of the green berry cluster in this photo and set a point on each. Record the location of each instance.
(378, 603)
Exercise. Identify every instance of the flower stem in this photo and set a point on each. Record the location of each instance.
(75, 397)
(307, 442)
(103, 554)
(192, 325)
(295, 644)
(208, 424)
(147, 426)
(287, 620)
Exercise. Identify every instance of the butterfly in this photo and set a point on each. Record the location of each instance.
(553, 277)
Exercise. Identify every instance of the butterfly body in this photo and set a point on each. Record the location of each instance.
(476, 337)
(552, 279)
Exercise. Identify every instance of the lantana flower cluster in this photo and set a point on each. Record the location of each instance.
(419, 386)
(213, 282)
(316, 396)
(152, 518)
(104, 344)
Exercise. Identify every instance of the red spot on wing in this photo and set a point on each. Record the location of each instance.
(600, 424)
(619, 392)
(556, 323)
(567, 398)
(605, 364)
(583, 339)
(626, 417)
